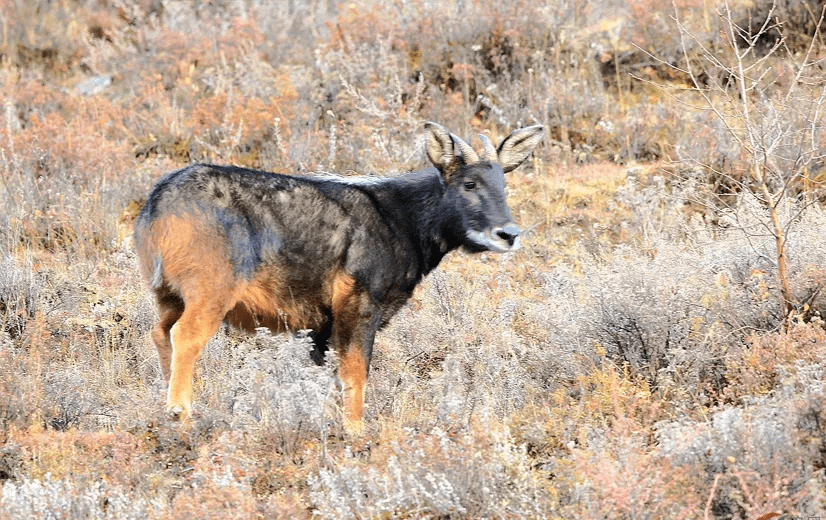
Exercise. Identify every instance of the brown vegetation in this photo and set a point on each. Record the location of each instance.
(643, 355)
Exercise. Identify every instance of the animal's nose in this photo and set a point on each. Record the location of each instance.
(508, 233)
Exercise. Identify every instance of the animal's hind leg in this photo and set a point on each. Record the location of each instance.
(171, 308)
(189, 335)
(321, 339)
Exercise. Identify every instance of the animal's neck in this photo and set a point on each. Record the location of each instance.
(418, 203)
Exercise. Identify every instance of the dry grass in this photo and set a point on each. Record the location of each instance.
(633, 360)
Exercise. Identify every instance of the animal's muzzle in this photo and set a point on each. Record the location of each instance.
(508, 233)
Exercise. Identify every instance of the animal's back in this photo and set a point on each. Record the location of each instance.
(274, 243)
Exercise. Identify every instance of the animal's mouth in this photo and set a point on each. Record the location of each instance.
(497, 240)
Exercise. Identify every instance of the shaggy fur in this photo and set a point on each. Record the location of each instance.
(250, 248)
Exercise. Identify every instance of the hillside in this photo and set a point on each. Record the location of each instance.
(655, 350)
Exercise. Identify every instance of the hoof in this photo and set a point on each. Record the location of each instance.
(177, 413)
(354, 427)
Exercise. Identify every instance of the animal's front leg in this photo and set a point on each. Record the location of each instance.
(353, 369)
(355, 322)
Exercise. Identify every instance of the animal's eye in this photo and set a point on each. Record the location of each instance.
(470, 185)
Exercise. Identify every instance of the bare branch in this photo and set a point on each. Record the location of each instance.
(801, 67)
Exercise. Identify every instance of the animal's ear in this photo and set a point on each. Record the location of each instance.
(518, 146)
(439, 147)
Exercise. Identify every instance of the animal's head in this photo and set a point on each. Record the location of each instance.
(478, 184)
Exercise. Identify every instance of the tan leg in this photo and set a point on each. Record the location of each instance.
(160, 336)
(186, 253)
(355, 321)
(189, 335)
(353, 375)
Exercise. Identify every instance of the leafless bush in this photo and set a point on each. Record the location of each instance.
(70, 499)
(70, 399)
(15, 406)
(692, 292)
(270, 383)
(456, 358)
(435, 475)
(753, 454)
(20, 290)
(770, 112)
